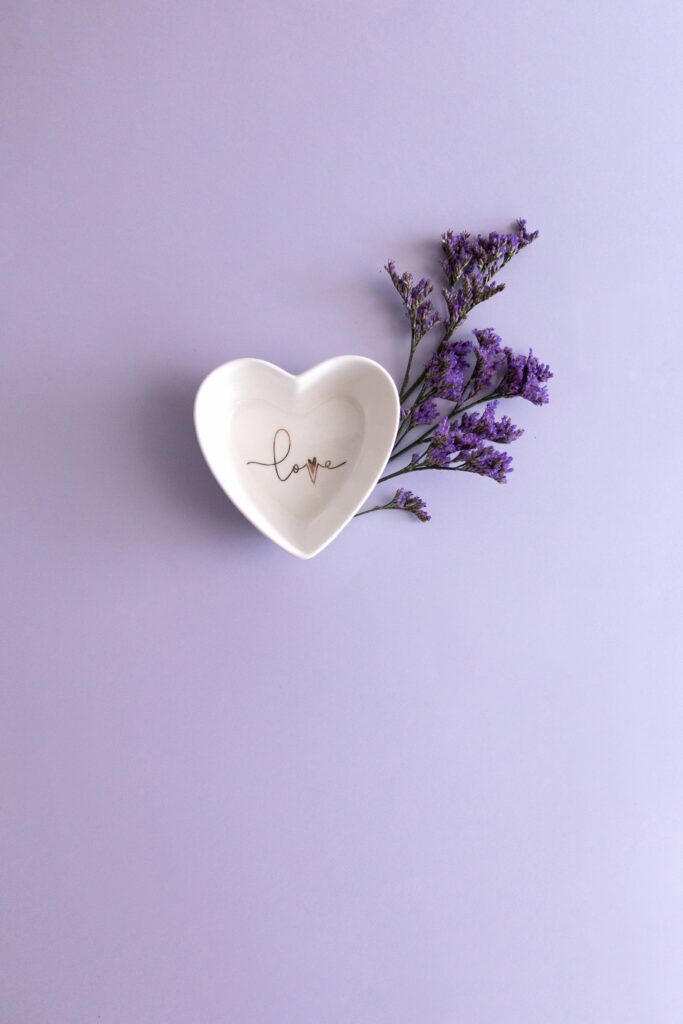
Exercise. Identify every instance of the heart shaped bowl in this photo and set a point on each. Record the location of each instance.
(297, 455)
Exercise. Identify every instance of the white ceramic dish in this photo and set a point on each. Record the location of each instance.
(297, 455)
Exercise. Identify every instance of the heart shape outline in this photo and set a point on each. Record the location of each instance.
(354, 380)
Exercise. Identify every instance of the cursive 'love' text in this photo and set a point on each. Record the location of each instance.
(282, 445)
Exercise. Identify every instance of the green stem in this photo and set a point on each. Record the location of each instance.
(381, 508)
(399, 472)
(375, 508)
(403, 430)
(406, 375)
(418, 469)
(416, 383)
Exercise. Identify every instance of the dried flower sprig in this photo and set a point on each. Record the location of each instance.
(404, 501)
(463, 373)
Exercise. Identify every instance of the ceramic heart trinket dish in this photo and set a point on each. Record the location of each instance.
(297, 455)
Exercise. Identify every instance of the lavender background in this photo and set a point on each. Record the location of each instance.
(436, 774)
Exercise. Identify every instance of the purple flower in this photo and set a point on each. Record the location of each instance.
(524, 236)
(456, 300)
(480, 257)
(425, 318)
(457, 249)
(418, 306)
(412, 294)
(488, 461)
(470, 264)
(486, 426)
(462, 446)
(464, 373)
(409, 502)
(442, 445)
(424, 413)
(525, 377)
(489, 359)
(446, 371)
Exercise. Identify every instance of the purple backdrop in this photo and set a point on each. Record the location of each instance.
(436, 774)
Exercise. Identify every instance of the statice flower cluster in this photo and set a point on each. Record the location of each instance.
(415, 297)
(488, 361)
(406, 501)
(463, 445)
(447, 370)
(481, 256)
(484, 424)
(471, 263)
(461, 373)
(526, 377)
(423, 413)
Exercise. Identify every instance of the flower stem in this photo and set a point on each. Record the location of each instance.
(406, 375)
(375, 508)
(417, 469)
(416, 383)
(398, 472)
